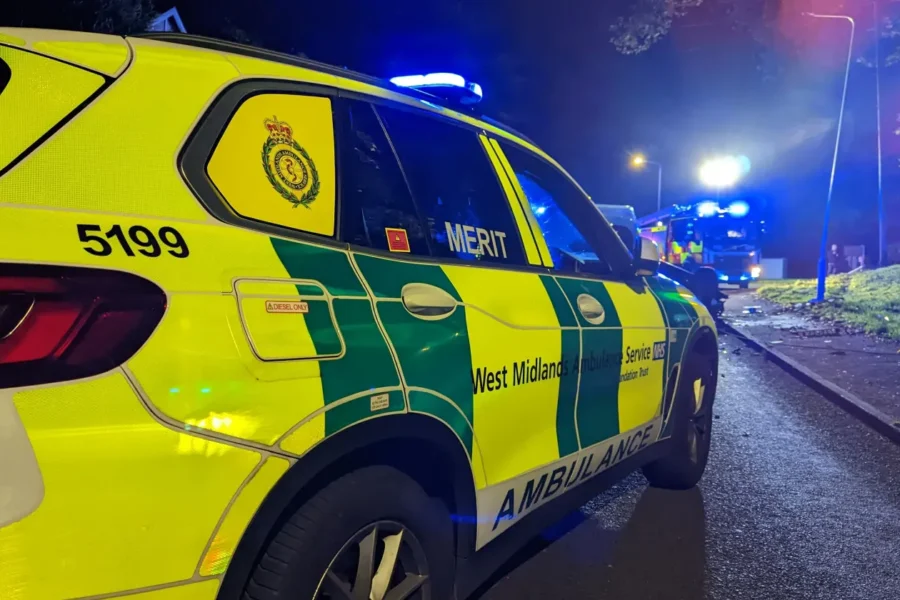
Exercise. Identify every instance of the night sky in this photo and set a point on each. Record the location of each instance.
(548, 69)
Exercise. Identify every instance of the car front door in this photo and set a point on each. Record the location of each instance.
(621, 368)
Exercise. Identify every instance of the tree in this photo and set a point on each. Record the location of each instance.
(101, 16)
(648, 22)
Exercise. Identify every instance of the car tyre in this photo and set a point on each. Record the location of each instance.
(371, 533)
(683, 466)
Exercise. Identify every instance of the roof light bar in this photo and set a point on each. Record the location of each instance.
(472, 91)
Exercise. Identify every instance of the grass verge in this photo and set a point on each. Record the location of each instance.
(868, 299)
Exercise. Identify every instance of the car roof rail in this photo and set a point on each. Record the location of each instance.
(199, 41)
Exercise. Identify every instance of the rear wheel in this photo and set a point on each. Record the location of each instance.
(683, 467)
(371, 534)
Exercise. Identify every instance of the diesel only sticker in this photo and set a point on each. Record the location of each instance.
(279, 306)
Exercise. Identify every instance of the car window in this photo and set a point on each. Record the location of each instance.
(275, 162)
(548, 191)
(377, 210)
(455, 188)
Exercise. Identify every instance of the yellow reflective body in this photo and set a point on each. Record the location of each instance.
(152, 471)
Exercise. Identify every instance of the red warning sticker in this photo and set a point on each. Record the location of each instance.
(397, 239)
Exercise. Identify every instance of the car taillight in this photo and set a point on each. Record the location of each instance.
(58, 324)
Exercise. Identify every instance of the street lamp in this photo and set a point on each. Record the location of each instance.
(823, 248)
(638, 161)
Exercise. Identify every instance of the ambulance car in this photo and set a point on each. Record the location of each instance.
(274, 329)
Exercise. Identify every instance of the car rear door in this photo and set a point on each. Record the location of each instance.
(461, 294)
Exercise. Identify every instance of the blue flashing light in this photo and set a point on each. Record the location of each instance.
(744, 278)
(430, 80)
(472, 92)
(739, 208)
(539, 210)
(723, 277)
(707, 209)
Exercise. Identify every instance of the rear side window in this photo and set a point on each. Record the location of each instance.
(275, 162)
(36, 93)
(455, 188)
(377, 208)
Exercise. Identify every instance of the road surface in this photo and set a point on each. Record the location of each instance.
(799, 501)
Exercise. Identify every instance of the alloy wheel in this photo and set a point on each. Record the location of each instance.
(382, 561)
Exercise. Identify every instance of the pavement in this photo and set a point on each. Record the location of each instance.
(867, 367)
(799, 501)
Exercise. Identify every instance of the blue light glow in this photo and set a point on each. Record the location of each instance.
(539, 210)
(707, 209)
(723, 277)
(739, 208)
(744, 278)
(204, 391)
(174, 390)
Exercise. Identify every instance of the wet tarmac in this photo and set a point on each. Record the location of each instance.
(799, 501)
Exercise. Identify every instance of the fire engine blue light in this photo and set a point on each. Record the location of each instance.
(739, 208)
(723, 277)
(707, 209)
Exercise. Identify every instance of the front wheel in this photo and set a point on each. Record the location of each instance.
(683, 467)
(373, 534)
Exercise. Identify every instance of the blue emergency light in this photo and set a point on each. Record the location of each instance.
(708, 208)
(467, 92)
(738, 208)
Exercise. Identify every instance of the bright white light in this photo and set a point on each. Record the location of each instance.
(476, 89)
(539, 210)
(430, 79)
(755, 271)
(707, 209)
(721, 172)
(739, 208)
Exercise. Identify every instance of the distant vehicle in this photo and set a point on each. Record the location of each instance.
(623, 220)
(725, 237)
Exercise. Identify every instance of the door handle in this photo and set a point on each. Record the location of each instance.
(591, 309)
(427, 301)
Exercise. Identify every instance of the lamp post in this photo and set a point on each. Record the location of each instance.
(881, 230)
(638, 161)
(823, 248)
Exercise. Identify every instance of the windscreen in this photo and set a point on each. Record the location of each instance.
(722, 233)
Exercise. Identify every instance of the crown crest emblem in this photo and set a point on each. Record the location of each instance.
(279, 131)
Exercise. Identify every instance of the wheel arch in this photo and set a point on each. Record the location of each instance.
(398, 440)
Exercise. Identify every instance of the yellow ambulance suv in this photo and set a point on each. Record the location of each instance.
(273, 329)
